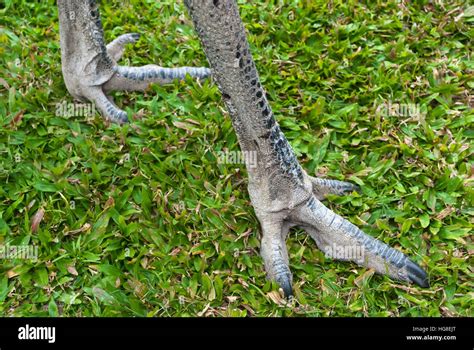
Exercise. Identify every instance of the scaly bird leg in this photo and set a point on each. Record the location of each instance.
(281, 192)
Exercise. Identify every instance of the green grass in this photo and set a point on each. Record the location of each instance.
(141, 220)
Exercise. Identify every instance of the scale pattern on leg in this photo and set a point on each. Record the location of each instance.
(333, 229)
(162, 75)
(275, 255)
(140, 78)
(107, 107)
(222, 34)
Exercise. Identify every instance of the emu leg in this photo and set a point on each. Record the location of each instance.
(281, 192)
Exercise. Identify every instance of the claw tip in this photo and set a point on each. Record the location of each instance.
(285, 285)
(417, 275)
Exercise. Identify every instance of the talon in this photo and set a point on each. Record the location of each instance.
(116, 47)
(135, 36)
(349, 187)
(416, 274)
(284, 281)
(122, 117)
(323, 187)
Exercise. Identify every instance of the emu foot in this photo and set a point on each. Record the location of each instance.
(281, 192)
(127, 78)
(335, 236)
(90, 68)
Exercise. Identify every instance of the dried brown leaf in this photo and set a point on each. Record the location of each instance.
(275, 297)
(72, 270)
(36, 220)
(11, 274)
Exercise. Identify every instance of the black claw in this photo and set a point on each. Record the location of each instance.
(122, 118)
(417, 275)
(356, 188)
(285, 283)
(351, 187)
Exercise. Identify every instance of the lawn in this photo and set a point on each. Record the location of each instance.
(144, 220)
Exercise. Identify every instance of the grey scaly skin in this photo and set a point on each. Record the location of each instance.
(90, 68)
(282, 193)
